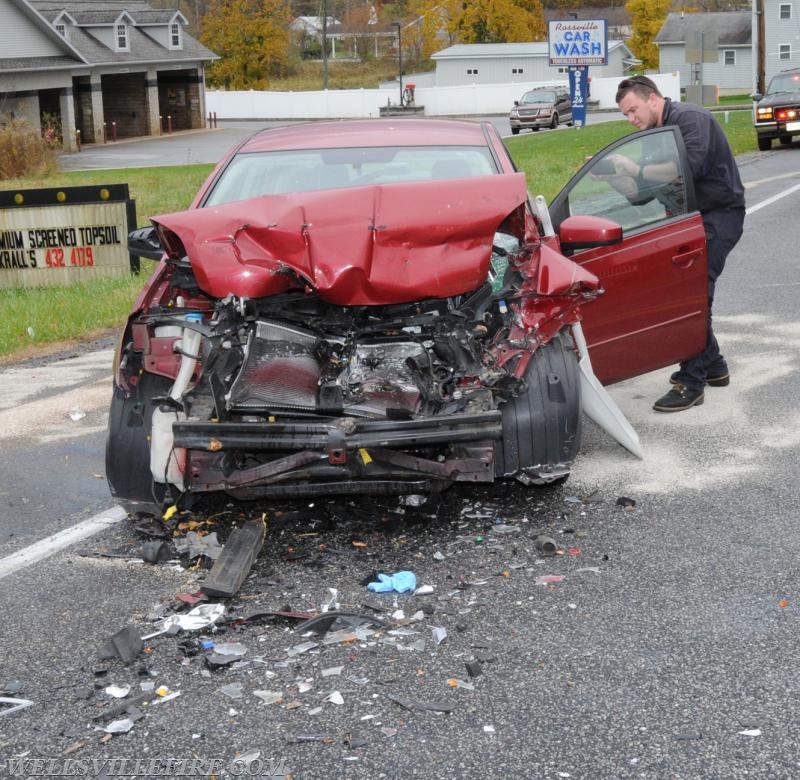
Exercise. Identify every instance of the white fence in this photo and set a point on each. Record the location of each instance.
(438, 101)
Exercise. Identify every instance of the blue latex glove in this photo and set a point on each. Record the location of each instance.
(402, 582)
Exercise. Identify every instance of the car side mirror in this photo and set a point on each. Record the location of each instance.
(144, 243)
(756, 96)
(585, 232)
(516, 102)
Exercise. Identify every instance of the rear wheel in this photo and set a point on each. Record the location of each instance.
(128, 444)
(786, 140)
(542, 426)
(764, 144)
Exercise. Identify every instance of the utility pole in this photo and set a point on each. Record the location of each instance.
(761, 86)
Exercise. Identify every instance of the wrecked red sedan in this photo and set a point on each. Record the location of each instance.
(379, 307)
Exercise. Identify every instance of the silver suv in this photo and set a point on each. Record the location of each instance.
(542, 107)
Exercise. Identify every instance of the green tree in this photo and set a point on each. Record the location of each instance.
(647, 18)
(252, 39)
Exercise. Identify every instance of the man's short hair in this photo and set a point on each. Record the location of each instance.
(639, 85)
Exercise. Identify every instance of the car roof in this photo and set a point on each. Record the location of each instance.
(368, 132)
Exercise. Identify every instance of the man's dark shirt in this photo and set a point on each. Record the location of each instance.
(717, 184)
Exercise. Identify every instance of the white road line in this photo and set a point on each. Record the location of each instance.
(770, 201)
(52, 544)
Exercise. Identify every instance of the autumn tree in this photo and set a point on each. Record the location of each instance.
(495, 21)
(252, 39)
(647, 18)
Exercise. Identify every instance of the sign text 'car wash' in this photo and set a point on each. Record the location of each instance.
(578, 42)
(51, 237)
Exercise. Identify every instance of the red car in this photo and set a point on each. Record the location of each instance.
(379, 307)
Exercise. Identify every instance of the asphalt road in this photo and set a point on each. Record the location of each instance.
(668, 649)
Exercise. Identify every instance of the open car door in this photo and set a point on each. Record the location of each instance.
(654, 309)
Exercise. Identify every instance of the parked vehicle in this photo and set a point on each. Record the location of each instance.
(541, 108)
(378, 307)
(777, 114)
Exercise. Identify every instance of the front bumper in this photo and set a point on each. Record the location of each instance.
(367, 457)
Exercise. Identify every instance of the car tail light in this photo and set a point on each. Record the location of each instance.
(787, 114)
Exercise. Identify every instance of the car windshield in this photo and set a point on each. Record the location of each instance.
(252, 174)
(785, 82)
(539, 97)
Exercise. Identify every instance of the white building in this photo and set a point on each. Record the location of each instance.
(519, 63)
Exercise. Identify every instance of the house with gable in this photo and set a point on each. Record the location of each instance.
(104, 68)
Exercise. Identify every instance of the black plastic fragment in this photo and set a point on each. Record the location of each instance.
(125, 644)
(420, 706)
(233, 564)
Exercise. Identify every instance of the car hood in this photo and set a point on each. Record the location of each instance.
(376, 245)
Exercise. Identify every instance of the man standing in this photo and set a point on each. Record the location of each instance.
(720, 199)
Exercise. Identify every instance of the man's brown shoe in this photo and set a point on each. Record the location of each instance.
(678, 399)
(712, 380)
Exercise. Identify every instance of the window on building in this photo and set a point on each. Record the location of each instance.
(122, 37)
(785, 10)
(517, 71)
(730, 57)
(785, 51)
(175, 35)
(61, 29)
(472, 71)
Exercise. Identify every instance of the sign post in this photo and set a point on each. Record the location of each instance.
(577, 44)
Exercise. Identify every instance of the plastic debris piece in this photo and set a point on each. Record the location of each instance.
(303, 647)
(625, 502)
(424, 590)
(546, 579)
(546, 545)
(125, 644)
(12, 687)
(76, 414)
(421, 706)
(236, 649)
(334, 697)
(232, 690)
(388, 731)
(269, 697)
(191, 598)
(121, 726)
(575, 551)
(488, 728)
(332, 671)
(169, 697)
(751, 733)
(334, 620)
(505, 530)
(595, 569)
(305, 737)
(439, 634)
(465, 684)
(162, 690)
(235, 561)
(14, 705)
(333, 601)
(156, 551)
(118, 691)
(438, 556)
(201, 616)
(783, 603)
(401, 582)
(474, 668)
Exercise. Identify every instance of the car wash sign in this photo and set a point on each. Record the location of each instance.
(57, 236)
(578, 42)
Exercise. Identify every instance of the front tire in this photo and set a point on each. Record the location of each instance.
(514, 131)
(554, 122)
(764, 144)
(542, 426)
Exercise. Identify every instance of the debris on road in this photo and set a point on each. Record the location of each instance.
(13, 705)
(402, 582)
(238, 556)
(126, 644)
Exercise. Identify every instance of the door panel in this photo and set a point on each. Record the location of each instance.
(654, 308)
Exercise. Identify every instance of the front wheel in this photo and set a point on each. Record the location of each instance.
(514, 131)
(554, 122)
(764, 144)
(542, 426)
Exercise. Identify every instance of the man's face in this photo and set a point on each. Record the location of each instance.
(643, 113)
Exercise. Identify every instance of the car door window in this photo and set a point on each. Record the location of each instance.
(609, 187)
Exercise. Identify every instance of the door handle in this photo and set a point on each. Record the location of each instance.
(686, 259)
